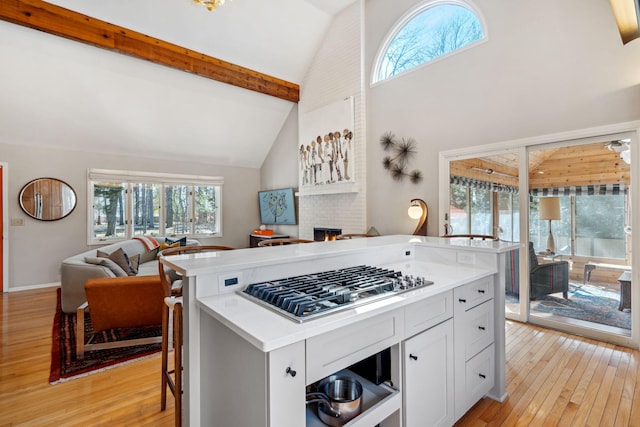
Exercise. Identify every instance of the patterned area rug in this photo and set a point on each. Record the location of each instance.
(65, 366)
(586, 302)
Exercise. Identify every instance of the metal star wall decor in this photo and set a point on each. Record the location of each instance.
(397, 163)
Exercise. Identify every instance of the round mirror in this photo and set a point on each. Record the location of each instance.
(47, 199)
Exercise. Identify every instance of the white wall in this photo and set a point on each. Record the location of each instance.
(547, 67)
(279, 170)
(335, 74)
(37, 248)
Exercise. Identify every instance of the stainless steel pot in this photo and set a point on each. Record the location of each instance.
(339, 399)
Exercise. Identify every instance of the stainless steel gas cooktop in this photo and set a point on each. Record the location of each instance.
(310, 296)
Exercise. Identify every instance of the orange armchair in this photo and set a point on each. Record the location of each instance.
(120, 302)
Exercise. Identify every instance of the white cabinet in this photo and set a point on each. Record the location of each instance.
(285, 381)
(242, 386)
(428, 377)
(474, 352)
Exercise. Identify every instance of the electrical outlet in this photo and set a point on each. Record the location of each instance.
(466, 258)
(17, 222)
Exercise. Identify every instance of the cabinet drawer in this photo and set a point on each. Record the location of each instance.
(474, 380)
(469, 295)
(424, 314)
(338, 349)
(476, 326)
(479, 375)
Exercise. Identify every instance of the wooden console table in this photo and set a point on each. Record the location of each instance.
(254, 239)
(625, 290)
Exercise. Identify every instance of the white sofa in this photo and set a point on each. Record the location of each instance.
(76, 270)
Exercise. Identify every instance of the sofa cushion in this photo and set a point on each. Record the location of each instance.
(106, 262)
(119, 257)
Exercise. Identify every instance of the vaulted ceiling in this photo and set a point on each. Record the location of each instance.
(66, 94)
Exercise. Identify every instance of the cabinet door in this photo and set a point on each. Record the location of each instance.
(428, 377)
(286, 406)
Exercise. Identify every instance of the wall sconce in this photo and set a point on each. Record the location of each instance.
(627, 13)
(550, 210)
(418, 209)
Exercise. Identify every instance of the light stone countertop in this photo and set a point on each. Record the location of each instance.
(268, 330)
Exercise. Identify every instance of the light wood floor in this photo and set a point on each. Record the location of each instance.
(552, 379)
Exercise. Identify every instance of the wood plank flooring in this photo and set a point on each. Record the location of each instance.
(552, 379)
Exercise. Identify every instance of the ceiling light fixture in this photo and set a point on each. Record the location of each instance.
(490, 171)
(627, 13)
(621, 147)
(210, 4)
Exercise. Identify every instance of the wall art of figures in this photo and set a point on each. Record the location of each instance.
(326, 148)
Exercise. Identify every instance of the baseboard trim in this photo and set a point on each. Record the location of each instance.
(32, 287)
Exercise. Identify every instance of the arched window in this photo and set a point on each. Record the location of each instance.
(432, 30)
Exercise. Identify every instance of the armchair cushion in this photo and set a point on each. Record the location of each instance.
(550, 278)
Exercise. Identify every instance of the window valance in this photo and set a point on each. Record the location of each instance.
(483, 185)
(585, 190)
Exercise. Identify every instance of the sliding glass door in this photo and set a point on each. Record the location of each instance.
(569, 204)
(579, 238)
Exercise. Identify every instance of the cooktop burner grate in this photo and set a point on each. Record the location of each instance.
(310, 296)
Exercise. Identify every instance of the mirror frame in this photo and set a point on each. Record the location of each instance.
(63, 185)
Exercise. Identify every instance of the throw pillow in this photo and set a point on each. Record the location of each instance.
(134, 262)
(119, 257)
(165, 245)
(106, 262)
(182, 241)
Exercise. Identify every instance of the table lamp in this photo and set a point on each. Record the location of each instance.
(550, 210)
(418, 209)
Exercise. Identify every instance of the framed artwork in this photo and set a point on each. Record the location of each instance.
(277, 207)
(326, 147)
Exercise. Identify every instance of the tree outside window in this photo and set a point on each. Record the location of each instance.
(437, 30)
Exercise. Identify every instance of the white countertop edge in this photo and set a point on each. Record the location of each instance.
(194, 264)
(268, 331)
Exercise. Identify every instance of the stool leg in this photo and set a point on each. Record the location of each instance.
(177, 355)
(165, 357)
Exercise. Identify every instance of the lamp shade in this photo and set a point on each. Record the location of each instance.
(550, 208)
(415, 211)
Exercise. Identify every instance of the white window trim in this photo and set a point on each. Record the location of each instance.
(404, 20)
(132, 177)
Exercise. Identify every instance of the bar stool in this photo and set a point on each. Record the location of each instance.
(175, 384)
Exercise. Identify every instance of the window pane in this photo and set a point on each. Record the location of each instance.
(146, 211)
(600, 226)
(481, 217)
(177, 209)
(207, 213)
(509, 217)
(108, 210)
(458, 209)
(539, 229)
(432, 33)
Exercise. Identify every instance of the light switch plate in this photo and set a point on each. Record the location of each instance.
(17, 222)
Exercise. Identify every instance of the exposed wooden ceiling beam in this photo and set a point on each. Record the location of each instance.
(66, 23)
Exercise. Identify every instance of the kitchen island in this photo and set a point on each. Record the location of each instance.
(247, 365)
